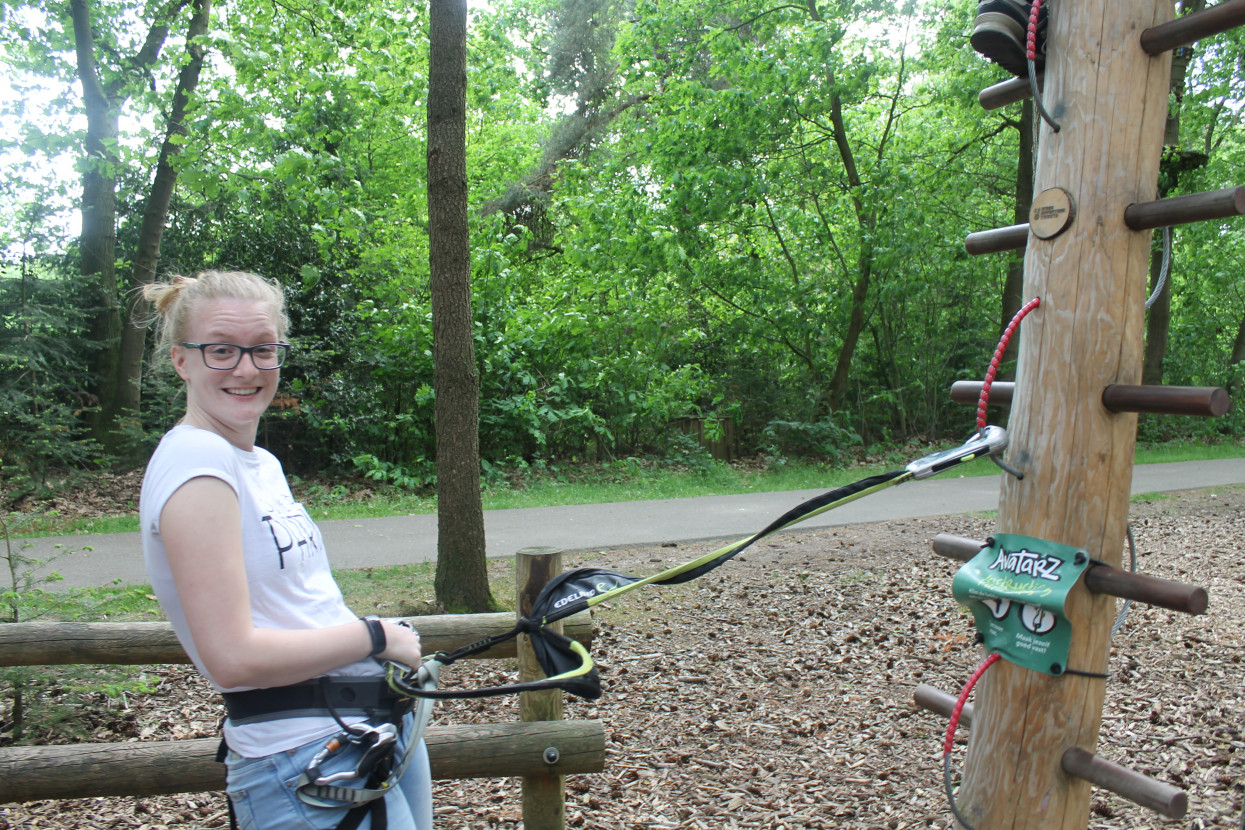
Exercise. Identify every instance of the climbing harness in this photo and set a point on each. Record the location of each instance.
(375, 739)
(377, 766)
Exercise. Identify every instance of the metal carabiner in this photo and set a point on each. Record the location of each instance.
(377, 741)
(331, 747)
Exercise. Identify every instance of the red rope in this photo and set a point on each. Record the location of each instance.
(963, 698)
(1031, 42)
(998, 358)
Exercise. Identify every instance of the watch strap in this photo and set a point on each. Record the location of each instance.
(377, 632)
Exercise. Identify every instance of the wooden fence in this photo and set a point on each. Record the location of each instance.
(540, 751)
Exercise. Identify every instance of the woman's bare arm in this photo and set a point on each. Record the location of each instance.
(202, 530)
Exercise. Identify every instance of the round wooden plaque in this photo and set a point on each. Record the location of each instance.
(1051, 213)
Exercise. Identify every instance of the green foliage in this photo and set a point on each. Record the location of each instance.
(679, 209)
(826, 439)
(42, 375)
(385, 472)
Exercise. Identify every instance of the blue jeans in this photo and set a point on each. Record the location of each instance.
(262, 790)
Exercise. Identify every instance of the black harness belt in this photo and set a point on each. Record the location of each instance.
(335, 696)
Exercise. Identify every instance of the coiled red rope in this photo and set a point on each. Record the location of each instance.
(951, 727)
(1031, 40)
(1031, 54)
(993, 658)
(982, 402)
(984, 398)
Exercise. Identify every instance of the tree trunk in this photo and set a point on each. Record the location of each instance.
(855, 325)
(99, 217)
(462, 577)
(1237, 356)
(128, 383)
(102, 102)
(866, 218)
(1238, 345)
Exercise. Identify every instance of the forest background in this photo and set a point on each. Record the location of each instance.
(736, 220)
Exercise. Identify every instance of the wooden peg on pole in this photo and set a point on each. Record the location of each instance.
(1163, 798)
(1181, 210)
(1224, 15)
(997, 240)
(1110, 99)
(1007, 92)
(1197, 401)
(1210, 401)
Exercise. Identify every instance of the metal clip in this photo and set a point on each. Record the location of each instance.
(377, 741)
(990, 441)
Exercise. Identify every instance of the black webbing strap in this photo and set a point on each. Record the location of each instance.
(343, 696)
(377, 809)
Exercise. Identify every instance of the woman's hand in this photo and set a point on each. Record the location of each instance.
(401, 644)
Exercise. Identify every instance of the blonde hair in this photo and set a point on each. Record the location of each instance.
(175, 301)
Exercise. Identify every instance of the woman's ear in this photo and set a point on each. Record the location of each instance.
(180, 354)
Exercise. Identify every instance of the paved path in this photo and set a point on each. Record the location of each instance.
(404, 539)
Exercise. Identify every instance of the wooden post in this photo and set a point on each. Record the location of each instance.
(1110, 100)
(544, 796)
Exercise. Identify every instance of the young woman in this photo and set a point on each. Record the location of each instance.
(315, 737)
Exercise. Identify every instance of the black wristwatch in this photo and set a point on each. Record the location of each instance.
(378, 634)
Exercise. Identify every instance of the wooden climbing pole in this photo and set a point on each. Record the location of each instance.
(1073, 406)
(1109, 99)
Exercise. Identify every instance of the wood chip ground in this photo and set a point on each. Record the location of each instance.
(776, 692)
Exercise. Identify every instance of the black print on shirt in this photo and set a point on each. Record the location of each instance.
(293, 530)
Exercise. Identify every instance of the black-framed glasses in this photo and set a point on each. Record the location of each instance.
(226, 356)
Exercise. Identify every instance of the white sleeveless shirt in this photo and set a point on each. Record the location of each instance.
(287, 569)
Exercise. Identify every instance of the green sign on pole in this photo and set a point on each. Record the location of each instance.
(1016, 587)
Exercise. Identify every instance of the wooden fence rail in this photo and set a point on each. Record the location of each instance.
(535, 750)
(144, 768)
(143, 643)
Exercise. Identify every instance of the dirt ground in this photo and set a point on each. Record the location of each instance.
(777, 691)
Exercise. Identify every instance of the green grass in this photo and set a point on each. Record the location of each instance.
(102, 604)
(1188, 451)
(623, 480)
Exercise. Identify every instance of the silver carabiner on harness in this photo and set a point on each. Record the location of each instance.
(311, 791)
(378, 741)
